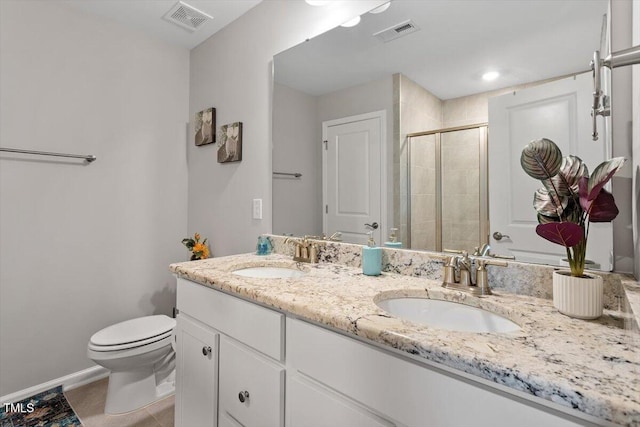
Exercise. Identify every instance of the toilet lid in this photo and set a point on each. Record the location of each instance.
(133, 330)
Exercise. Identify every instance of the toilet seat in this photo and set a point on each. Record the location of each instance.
(132, 333)
(129, 345)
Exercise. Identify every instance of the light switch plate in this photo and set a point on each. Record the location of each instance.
(257, 208)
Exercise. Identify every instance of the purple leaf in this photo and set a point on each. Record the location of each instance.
(603, 208)
(566, 234)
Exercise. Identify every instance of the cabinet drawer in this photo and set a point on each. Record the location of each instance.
(260, 380)
(408, 393)
(310, 405)
(255, 326)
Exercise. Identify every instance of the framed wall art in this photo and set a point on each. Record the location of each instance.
(230, 149)
(205, 127)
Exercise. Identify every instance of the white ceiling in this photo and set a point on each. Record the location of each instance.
(146, 15)
(458, 41)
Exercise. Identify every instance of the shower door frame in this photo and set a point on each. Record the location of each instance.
(483, 184)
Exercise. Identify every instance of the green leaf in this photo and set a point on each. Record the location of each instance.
(547, 203)
(541, 159)
(189, 243)
(602, 174)
(543, 219)
(566, 181)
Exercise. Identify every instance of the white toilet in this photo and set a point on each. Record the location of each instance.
(140, 355)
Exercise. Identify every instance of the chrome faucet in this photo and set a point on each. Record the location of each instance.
(304, 250)
(460, 274)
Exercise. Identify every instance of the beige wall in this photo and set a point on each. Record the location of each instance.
(415, 110)
(85, 246)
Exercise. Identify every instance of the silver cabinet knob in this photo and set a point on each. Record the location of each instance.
(243, 396)
(499, 236)
(206, 350)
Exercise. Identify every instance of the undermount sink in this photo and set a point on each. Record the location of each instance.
(269, 272)
(447, 315)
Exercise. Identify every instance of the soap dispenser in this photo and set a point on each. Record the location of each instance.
(393, 243)
(371, 257)
(264, 246)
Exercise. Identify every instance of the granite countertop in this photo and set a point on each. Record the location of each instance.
(590, 366)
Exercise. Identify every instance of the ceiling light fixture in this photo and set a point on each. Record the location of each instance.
(351, 22)
(380, 9)
(317, 2)
(490, 76)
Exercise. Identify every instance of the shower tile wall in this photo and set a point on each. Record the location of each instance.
(460, 171)
(423, 192)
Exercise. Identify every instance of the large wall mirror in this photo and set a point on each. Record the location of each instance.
(393, 121)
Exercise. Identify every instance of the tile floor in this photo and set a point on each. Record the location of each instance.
(88, 403)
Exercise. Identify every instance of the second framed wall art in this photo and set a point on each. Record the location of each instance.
(230, 149)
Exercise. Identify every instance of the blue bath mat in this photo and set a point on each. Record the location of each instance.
(47, 409)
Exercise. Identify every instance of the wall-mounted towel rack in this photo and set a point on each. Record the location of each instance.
(294, 174)
(88, 158)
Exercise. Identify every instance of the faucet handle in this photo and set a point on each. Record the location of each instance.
(482, 282)
(454, 251)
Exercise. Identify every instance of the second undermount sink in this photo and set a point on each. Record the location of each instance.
(447, 315)
(269, 272)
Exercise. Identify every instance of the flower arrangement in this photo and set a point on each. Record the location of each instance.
(199, 250)
(571, 198)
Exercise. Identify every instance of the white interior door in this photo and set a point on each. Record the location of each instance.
(559, 111)
(353, 176)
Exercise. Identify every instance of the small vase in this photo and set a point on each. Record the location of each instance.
(579, 297)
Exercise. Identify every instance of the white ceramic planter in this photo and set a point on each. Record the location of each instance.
(579, 297)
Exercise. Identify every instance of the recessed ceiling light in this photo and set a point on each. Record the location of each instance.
(317, 2)
(380, 9)
(351, 22)
(491, 75)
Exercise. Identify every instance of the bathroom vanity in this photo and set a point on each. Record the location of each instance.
(316, 350)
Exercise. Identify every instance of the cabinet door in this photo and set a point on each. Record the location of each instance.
(196, 374)
(311, 405)
(251, 386)
(225, 420)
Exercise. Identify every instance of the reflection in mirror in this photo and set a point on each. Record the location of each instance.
(420, 81)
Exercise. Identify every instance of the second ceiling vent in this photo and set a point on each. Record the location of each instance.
(397, 31)
(187, 17)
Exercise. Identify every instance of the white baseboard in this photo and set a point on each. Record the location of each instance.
(68, 382)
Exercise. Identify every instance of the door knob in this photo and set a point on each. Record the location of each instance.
(499, 236)
(373, 226)
(206, 351)
(243, 396)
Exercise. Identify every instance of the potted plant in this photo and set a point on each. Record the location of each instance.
(198, 250)
(570, 200)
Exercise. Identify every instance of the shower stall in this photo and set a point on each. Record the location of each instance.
(447, 189)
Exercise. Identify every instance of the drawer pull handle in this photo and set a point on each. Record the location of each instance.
(206, 351)
(243, 396)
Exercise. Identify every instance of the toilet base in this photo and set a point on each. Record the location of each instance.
(131, 390)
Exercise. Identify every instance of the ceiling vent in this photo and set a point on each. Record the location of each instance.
(187, 17)
(397, 31)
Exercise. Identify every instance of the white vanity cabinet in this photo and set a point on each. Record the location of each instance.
(248, 382)
(197, 368)
(391, 390)
(327, 379)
